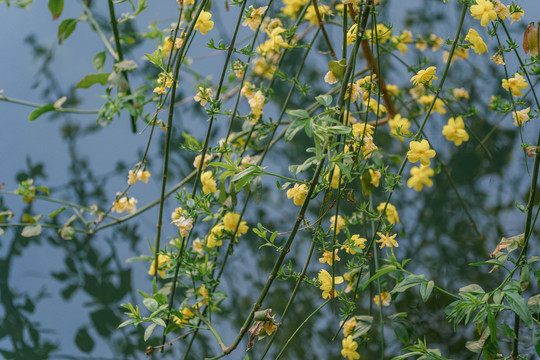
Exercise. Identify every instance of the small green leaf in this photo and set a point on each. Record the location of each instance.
(92, 79)
(408, 282)
(56, 212)
(425, 290)
(65, 29)
(382, 271)
(324, 100)
(492, 325)
(536, 340)
(40, 111)
(338, 68)
(151, 304)
(99, 60)
(149, 330)
(519, 306)
(506, 330)
(31, 230)
(520, 207)
(56, 7)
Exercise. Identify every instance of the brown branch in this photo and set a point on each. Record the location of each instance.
(321, 25)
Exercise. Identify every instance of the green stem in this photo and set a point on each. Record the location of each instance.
(100, 33)
(301, 326)
(114, 26)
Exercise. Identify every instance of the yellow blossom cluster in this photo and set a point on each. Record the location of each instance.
(326, 283)
(229, 223)
(203, 95)
(138, 175)
(298, 193)
(163, 261)
(124, 204)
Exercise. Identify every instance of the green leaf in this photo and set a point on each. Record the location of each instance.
(506, 330)
(65, 29)
(536, 340)
(190, 140)
(382, 271)
(338, 68)
(363, 325)
(491, 324)
(126, 65)
(519, 306)
(40, 111)
(298, 113)
(525, 277)
(99, 60)
(534, 304)
(520, 207)
(425, 290)
(31, 230)
(92, 79)
(408, 282)
(56, 7)
(149, 330)
(324, 100)
(151, 304)
(56, 212)
(401, 332)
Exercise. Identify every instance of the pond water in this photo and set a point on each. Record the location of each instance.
(60, 299)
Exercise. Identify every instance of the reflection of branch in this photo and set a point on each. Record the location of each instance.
(36, 105)
(146, 207)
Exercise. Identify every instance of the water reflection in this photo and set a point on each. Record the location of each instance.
(61, 299)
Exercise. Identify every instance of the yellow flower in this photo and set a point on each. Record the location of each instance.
(311, 16)
(436, 42)
(209, 184)
(198, 247)
(140, 174)
(330, 78)
(349, 326)
(428, 99)
(263, 67)
(460, 93)
(353, 92)
(230, 221)
(349, 348)
(203, 292)
(298, 193)
(326, 283)
(498, 59)
(420, 176)
(374, 106)
(387, 241)
(477, 43)
(368, 146)
(214, 237)
(197, 161)
(522, 116)
(483, 11)
(397, 122)
(334, 184)
(455, 131)
(383, 34)
(501, 10)
(203, 95)
(420, 151)
(178, 213)
(162, 260)
(327, 257)
(269, 327)
(184, 225)
(392, 89)
(340, 223)
(425, 76)
(255, 17)
(516, 14)
(276, 40)
(362, 129)
(186, 315)
(391, 213)
(351, 34)
(375, 177)
(204, 24)
(357, 241)
(257, 103)
(385, 298)
(515, 84)
(293, 6)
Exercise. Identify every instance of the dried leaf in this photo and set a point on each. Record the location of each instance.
(254, 331)
(530, 40)
(507, 242)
